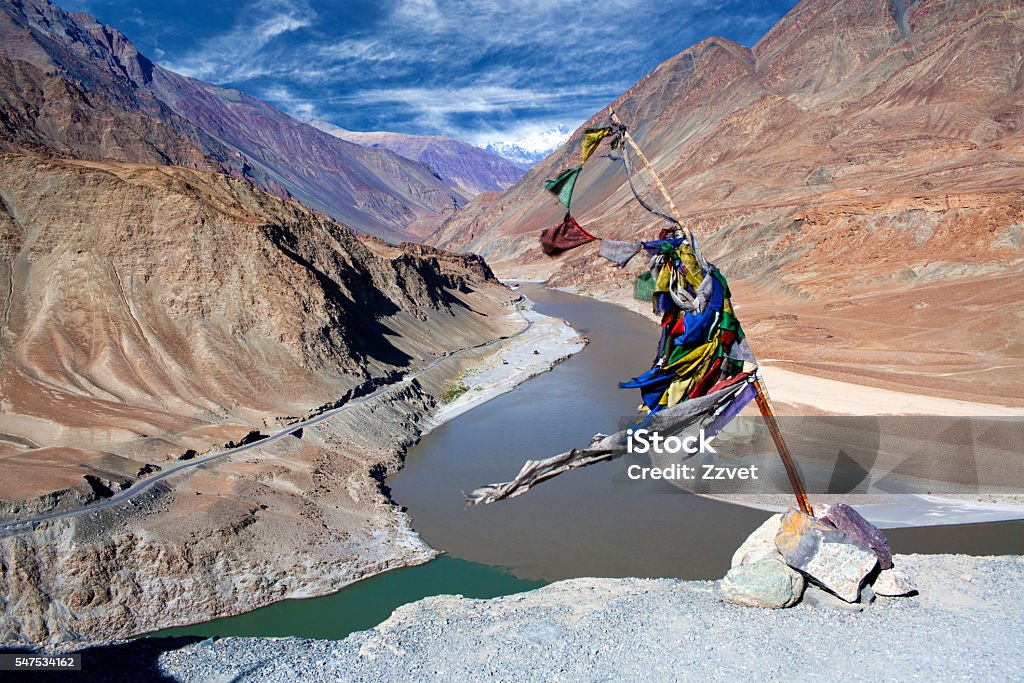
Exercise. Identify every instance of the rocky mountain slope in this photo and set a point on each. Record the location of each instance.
(153, 313)
(864, 157)
(467, 169)
(157, 305)
(62, 64)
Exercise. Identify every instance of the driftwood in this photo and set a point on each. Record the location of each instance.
(698, 413)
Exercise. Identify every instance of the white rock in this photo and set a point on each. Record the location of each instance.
(828, 556)
(894, 583)
(760, 544)
(839, 567)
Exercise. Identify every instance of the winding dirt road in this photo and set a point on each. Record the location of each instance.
(16, 527)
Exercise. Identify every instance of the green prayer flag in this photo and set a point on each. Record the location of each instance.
(562, 185)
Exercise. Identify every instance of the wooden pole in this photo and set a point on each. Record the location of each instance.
(647, 164)
(764, 402)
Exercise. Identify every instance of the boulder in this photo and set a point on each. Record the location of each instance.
(851, 523)
(793, 526)
(760, 544)
(828, 556)
(767, 583)
(894, 583)
(821, 598)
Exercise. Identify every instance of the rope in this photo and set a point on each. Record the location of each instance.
(656, 209)
(632, 187)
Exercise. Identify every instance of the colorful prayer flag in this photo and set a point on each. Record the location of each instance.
(562, 184)
(591, 139)
(566, 235)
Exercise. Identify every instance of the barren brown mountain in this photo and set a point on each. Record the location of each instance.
(153, 313)
(156, 306)
(467, 169)
(858, 174)
(75, 87)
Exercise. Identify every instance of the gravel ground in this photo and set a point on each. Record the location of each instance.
(965, 624)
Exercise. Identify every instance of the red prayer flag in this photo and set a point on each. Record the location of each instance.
(566, 235)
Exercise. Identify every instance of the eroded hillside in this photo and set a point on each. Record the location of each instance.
(152, 314)
(863, 156)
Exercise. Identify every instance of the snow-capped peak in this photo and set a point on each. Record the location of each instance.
(530, 148)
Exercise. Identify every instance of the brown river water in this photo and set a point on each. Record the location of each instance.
(592, 522)
(588, 522)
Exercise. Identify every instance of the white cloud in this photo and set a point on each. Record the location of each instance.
(437, 110)
(480, 70)
(234, 55)
(423, 14)
(298, 107)
(470, 99)
(275, 26)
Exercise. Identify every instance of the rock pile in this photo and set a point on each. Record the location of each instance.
(837, 559)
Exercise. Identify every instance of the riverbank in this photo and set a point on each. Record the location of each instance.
(546, 343)
(300, 517)
(825, 359)
(801, 389)
(963, 624)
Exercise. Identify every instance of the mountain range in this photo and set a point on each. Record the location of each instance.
(151, 281)
(467, 169)
(755, 143)
(863, 156)
(79, 88)
(175, 277)
(159, 302)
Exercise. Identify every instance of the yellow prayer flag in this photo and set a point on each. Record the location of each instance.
(591, 139)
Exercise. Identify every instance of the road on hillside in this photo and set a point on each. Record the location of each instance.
(19, 526)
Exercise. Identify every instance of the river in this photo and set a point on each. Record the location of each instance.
(585, 523)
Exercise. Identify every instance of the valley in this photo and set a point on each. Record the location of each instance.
(224, 325)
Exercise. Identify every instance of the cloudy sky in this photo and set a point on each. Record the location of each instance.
(478, 70)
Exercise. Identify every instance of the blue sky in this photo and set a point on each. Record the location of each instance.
(477, 70)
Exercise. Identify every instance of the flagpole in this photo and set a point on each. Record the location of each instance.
(764, 402)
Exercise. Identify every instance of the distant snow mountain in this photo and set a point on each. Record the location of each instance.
(517, 155)
(467, 169)
(528, 150)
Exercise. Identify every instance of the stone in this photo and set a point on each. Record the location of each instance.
(760, 544)
(793, 525)
(815, 596)
(767, 583)
(894, 583)
(828, 556)
(851, 523)
(822, 599)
